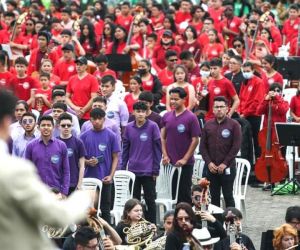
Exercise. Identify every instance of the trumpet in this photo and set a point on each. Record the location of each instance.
(139, 234)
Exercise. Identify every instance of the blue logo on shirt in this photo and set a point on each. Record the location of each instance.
(102, 147)
(54, 159)
(70, 152)
(225, 133)
(180, 128)
(143, 137)
(110, 114)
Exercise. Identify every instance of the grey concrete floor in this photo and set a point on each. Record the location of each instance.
(265, 212)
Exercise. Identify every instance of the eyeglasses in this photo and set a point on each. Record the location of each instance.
(197, 197)
(219, 107)
(277, 90)
(66, 125)
(237, 45)
(173, 60)
(27, 121)
(183, 219)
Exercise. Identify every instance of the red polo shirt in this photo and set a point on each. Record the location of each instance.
(64, 70)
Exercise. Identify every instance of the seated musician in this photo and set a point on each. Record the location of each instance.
(214, 226)
(168, 224)
(183, 224)
(285, 237)
(133, 214)
(204, 237)
(87, 238)
(241, 241)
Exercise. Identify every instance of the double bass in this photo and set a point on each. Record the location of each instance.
(270, 167)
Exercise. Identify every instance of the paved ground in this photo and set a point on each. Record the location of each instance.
(265, 212)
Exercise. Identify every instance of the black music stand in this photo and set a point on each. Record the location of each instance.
(289, 68)
(288, 134)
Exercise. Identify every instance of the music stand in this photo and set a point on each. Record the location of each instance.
(288, 134)
(289, 68)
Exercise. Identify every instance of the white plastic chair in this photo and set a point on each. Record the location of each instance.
(288, 94)
(91, 185)
(289, 159)
(239, 192)
(164, 186)
(198, 168)
(123, 192)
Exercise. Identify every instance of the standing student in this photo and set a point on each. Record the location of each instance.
(220, 143)
(50, 156)
(102, 148)
(142, 152)
(76, 151)
(180, 136)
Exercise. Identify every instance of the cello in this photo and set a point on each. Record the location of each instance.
(270, 167)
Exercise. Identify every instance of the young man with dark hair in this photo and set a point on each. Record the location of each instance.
(236, 74)
(65, 68)
(102, 70)
(219, 145)
(22, 85)
(28, 122)
(180, 136)
(147, 98)
(125, 18)
(50, 156)
(290, 26)
(76, 151)
(81, 90)
(251, 94)
(220, 86)
(142, 152)
(42, 51)
(187, 59)
(166, 76)
(16, 128)
(116, 109)
(102, 148)
(232, 214)
(292, 217)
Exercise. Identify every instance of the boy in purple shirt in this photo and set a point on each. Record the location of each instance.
(180, 136)
(102, 150)
(76, 151)
(50, 156)
(142, 152)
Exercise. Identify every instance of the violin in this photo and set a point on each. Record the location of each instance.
(270, 167)
(204, 183)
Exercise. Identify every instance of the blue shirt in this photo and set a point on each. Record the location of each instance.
(20, 143)
(52, 162)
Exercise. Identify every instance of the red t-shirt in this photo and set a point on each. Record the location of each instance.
(198, 26)
(148, 84)
(5, 79)
(23, 86)
(124, 21)
(290, 30)
(99, 27)
(233, 25)
(203, 39)
(99, 74)
(216, 15)
(129, 100)
(39, 102)
(81, 90)
(212, 50)
(64, 70)
(277, 77)
(166, 78)
(120, 48)
(157, 22)
(295, 105)
(182, 17)
(222, 87)
(159, 55)
(194, 48)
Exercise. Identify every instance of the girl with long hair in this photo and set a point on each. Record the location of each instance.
(88, 39)
(214, 49)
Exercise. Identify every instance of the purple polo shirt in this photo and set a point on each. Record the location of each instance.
(179, 133)
(142, 149)
(76, 150)
(100, 144)
(220, 142)
(51, 161)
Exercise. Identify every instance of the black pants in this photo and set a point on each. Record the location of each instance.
(148, 184)
(255, 125)
(224, 181)
(106, 202)
(185, 184)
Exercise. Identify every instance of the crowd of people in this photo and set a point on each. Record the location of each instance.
(104, 86)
